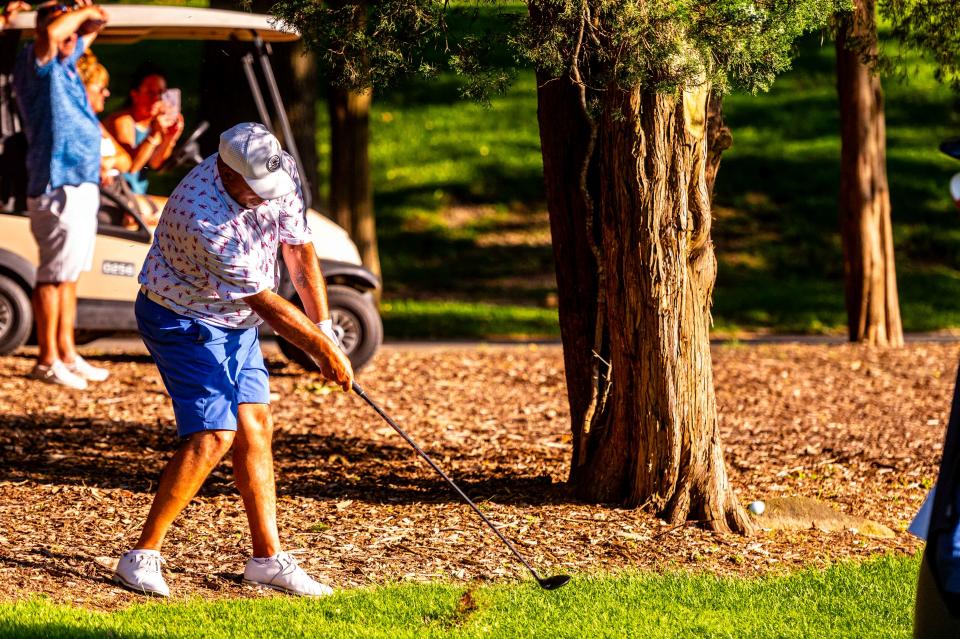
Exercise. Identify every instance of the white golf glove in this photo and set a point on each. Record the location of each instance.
(326, 327)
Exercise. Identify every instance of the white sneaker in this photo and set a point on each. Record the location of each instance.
(281, 572)
(139, 570)
(81, 368)
(58, 373)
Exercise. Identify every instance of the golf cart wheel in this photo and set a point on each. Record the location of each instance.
(16, 315)
(356, 322)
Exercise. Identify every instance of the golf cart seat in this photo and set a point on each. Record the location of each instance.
(13, 141)
(13, 171)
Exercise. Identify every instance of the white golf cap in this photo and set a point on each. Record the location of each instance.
(253, 152)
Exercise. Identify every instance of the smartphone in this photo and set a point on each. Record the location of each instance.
(171, 100)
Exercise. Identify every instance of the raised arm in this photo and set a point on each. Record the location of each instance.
(168, 140)
(60, 29)
(291, 324)
(121, 126)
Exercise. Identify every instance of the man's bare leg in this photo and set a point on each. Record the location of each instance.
(181, 480)
(68, 319)
(46, 311)
(253, 474)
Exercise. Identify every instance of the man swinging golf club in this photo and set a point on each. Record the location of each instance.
(206, 285)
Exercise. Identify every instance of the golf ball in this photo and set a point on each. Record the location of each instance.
(757, 507)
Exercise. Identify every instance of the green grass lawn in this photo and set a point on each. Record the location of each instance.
(777, 213)
(873, 599)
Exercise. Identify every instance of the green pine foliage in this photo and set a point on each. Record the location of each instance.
(659, 44)
(663, 44)
(931, 27)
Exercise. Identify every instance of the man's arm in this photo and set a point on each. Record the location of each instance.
(168, 141)
(287, 320)
(304, 268)
(62, 27)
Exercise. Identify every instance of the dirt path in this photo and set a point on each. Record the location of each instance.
(860, 428)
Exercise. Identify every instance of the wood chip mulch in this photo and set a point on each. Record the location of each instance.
(859, 428)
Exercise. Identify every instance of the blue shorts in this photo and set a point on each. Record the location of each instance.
(208, 370)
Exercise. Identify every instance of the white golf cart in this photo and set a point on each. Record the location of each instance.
(107, 293)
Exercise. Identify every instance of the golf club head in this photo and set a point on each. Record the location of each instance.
(552, 583)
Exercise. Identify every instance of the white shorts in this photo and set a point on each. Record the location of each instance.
(64, 223)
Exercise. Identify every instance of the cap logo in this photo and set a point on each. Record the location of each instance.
(273, 163)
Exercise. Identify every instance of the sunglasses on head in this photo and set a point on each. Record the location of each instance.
(51, 10)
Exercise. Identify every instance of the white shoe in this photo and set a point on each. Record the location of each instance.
(281, 572)
(58, 373)
(139, 570)
(81, 368)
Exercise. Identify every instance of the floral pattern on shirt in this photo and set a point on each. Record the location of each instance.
(209, 252)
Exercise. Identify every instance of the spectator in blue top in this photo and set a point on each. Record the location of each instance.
(63, 185)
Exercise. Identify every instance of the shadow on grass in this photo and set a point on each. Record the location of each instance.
(777, 212)
(35, 629)
(437, 261)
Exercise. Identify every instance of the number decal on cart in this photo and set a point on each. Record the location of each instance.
(123, 269)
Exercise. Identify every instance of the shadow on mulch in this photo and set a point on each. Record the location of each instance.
(42, 562)
(277, 366)
(130, 455)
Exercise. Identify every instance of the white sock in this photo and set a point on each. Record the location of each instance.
(263, 560)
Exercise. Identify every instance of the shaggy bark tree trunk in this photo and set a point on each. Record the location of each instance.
(351, 191)
(630, 217)
(873, 307)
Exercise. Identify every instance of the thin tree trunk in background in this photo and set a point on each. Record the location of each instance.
(222, 76)
(630, 218)
(296, 71)
(351, 191)
(873, 307)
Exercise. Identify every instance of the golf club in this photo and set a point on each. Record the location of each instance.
(549, 583)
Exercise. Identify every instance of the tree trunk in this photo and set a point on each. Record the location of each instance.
(566, 140)
(630, 217)
(351, 192)
(719, 138)
(296, 71)
(873, 307)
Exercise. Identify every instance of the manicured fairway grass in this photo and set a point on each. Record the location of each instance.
(873, 599)
(470, 320)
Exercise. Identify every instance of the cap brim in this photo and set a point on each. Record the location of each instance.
(270, 187)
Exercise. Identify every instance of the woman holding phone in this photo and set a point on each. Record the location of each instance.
(149, 126)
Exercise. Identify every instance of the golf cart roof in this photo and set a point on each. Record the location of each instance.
(132, 23)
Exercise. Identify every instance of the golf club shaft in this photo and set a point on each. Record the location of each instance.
(359, 391)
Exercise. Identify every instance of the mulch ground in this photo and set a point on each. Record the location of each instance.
(859, 428)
